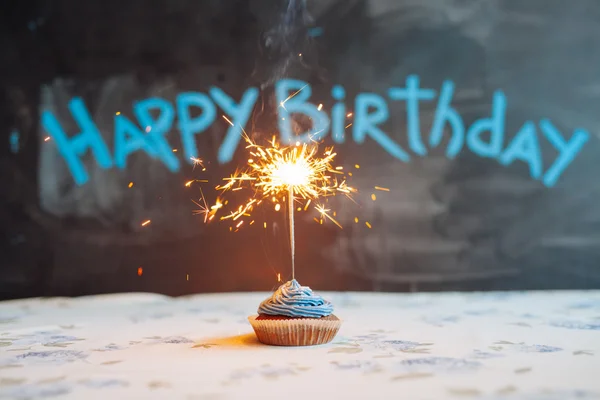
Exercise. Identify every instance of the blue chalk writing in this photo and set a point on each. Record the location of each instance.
(13, 141)
(239, 113)
(128, 139)
(412, 94)
(315, 32)
(292, 96)
(338, 115)
(196, 112)
(567, 149)
(494, 124)
(525, 147)
(188, 126)
(72, 148)
(446, 114)
(158, 128)
(365, 123)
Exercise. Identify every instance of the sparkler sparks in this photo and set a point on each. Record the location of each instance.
(324, 212)
(282, 104)
(189, 183)
(197, 161)
(289, 174)
(227, 119)
(208, 212)
(274, 171)
(382, 188)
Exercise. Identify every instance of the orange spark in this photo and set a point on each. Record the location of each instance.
(382, 188)
(146, 222)
(208, 212)
(323, 211)
(197, 161)
(226, 119)
(307, 204)
(140, 271)
(282, 104)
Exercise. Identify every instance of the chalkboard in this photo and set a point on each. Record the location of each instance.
(468, 128)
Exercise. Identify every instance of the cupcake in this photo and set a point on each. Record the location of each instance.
(295, 316)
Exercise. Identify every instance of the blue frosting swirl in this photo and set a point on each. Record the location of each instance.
(293, 300)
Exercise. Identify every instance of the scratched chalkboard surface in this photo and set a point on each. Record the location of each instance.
(468, 127)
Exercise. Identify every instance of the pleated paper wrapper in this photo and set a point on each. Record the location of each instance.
(295, 332)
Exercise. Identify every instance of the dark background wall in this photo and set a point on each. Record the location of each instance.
(466, 224)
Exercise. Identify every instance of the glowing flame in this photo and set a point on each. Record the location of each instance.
(273, 172)
(289, 174)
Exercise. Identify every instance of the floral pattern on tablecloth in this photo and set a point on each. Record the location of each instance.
(537, 345)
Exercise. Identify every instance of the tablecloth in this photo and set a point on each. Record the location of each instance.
(497, 345)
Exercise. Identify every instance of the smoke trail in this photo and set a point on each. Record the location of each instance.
(287, 39)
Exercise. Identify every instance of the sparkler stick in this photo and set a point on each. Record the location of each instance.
(292, 236)
(273, 173)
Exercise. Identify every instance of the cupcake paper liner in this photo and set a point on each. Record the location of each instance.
(295, 332)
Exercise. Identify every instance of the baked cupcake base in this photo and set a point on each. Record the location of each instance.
(279, 330)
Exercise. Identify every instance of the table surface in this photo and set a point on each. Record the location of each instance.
(517, 345)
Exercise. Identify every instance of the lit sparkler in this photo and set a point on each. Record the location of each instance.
(208, 212)
(290, 173)
(197, 161)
